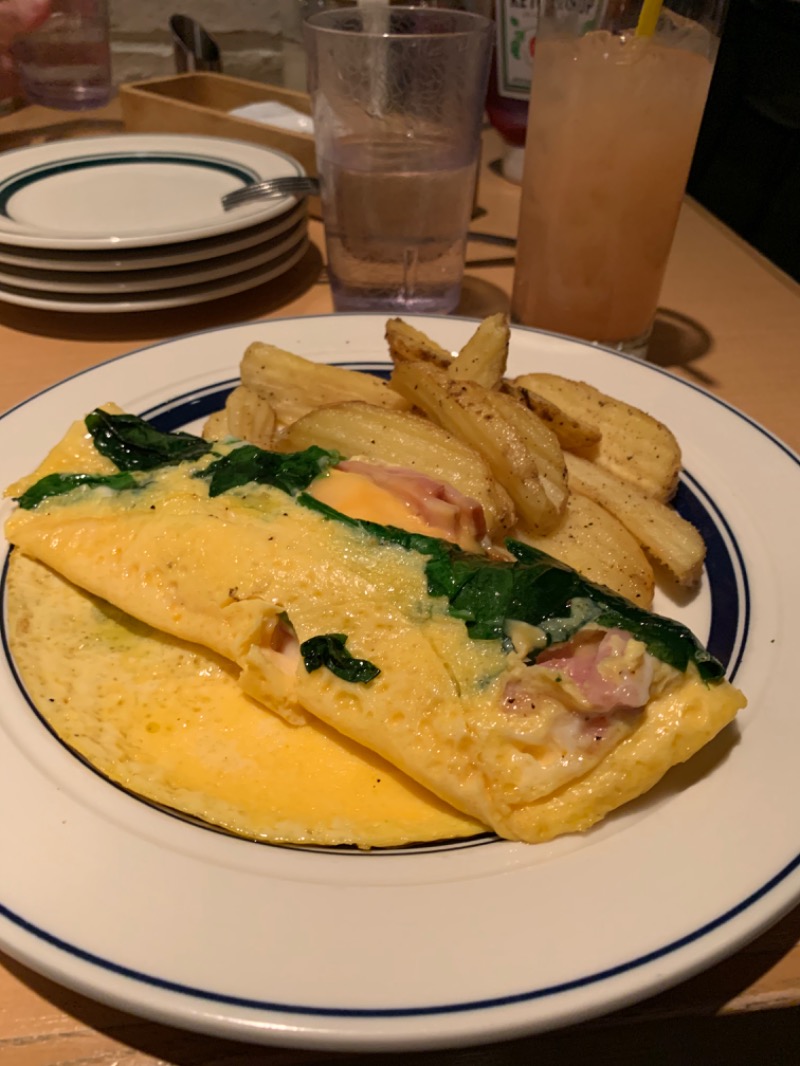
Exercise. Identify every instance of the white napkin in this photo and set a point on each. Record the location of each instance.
(273, 113)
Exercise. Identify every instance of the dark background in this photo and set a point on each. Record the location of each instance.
(746, 168)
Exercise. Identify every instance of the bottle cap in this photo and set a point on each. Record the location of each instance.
(513, 159)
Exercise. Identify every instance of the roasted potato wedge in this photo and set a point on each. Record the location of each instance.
(597, 545)
(472, 413)
(216, 426)
(250, 417)
(293, 386)
(573, 433)
(541, 442)
(668, 538)
(483, 358)
(409, 344)
(406, 440)
(633, 445)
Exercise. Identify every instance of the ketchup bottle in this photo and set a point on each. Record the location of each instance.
(510, 78)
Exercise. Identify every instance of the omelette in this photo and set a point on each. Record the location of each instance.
(501, 681)
(167, 721)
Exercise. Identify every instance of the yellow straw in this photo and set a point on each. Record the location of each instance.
(648, 17)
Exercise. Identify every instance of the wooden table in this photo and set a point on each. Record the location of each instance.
(730, 322)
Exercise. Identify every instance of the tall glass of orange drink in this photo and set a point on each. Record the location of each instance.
(617, 95)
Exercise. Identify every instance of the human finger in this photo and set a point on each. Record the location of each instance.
(20, 16)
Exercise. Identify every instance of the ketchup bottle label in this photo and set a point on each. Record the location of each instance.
(516, 37)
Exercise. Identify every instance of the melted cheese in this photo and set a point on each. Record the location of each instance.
(357, 496)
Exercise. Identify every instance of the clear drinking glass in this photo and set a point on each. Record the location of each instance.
(398, 97)
(66, 63)
(618, 91)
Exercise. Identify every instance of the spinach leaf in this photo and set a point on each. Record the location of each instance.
(534, 588)
(668, 640)
(133, 444)
(60, 484)
(328, 649)
(246, 464)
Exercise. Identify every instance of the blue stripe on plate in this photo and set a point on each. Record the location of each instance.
(14, 184)
(726, 572)
(402, 1012)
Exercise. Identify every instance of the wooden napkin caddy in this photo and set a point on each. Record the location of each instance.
(201, 103)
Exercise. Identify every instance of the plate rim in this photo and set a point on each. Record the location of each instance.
(369, 1040)
(136, 282)
(180, 296)
(152, 257)
(226, 223)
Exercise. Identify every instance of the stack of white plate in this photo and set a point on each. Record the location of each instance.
(135, 222)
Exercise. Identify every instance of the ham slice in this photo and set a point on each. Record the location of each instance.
(610, 669)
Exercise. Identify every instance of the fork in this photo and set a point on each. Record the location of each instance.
(292, 185)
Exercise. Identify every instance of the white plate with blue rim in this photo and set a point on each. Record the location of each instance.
(182, 254)
(157, 299)
(67, 283)
(133, 190)
(454, 943)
